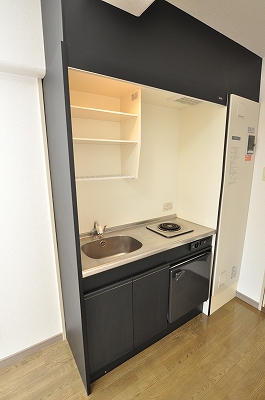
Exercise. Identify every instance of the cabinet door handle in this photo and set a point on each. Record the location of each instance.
(179, 275)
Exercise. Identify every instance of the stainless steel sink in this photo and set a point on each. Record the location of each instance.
(111, 247)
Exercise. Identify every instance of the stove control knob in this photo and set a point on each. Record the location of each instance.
(194, 245)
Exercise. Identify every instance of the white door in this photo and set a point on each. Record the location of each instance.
(236, 187)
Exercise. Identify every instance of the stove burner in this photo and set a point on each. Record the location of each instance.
(169, 226)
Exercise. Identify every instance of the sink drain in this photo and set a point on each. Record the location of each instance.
(102, 243)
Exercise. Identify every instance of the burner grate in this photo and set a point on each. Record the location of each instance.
(169, 226)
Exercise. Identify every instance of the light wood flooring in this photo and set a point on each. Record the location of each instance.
(216, 357)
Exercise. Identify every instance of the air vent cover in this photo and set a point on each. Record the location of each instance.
(184, 100)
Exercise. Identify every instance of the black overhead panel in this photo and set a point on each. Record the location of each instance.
(164, 47)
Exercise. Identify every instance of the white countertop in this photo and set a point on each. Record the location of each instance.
(152, 243)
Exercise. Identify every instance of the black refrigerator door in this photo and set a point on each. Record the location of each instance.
(189, 285)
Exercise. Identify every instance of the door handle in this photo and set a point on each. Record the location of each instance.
(179, 275)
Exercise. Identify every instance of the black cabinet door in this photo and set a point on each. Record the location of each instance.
(109, 323)
(150, 303)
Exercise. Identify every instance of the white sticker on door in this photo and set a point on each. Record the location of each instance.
(233, 165)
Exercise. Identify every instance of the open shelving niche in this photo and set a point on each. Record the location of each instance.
(106, 124)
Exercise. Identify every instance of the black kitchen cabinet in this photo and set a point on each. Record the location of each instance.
(123, 315)
(109, 323)
(150, 303)
(127, 308)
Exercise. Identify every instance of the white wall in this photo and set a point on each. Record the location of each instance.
(21, 38)
(253, 263)
(122, 201)
(29, 299)
(180, 162)
(201, 144)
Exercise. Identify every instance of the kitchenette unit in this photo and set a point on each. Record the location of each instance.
(137, 296)
(151, 134)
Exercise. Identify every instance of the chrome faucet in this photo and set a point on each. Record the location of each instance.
(98, 231)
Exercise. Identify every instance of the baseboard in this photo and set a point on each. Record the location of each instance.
(30, 350)
(247, 299)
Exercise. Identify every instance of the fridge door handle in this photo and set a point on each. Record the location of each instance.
(178, 275)
(189, 260)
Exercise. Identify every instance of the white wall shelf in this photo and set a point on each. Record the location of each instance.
(103, 115)
(101, 177)
(106, 118)
(102, 141)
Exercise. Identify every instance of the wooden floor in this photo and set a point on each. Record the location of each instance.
(216, 357)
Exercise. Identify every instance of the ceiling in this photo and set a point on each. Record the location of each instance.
(135, 7)
(241, 20)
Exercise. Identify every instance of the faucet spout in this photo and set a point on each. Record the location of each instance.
(98, 228)
(96, 232)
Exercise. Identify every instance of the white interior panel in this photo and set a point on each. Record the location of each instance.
(89, 162)
(200, 156)
(84, 99)
(98, 129)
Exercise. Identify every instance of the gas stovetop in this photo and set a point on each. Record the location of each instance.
(168, 229)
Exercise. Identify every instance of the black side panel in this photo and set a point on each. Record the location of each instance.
(62, 179)
(164, 48)
(150, 303)
(109, 323)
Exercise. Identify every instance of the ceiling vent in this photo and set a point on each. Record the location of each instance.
(135, 7)
(188, 101)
